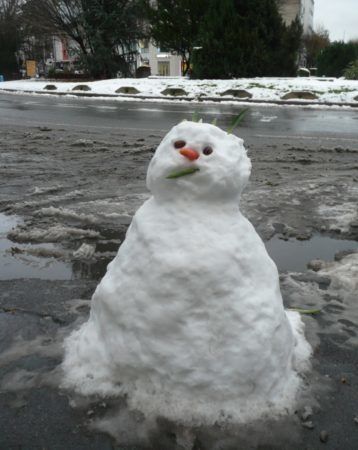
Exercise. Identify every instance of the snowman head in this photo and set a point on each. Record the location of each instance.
(198, 161)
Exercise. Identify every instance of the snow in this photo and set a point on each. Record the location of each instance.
(343, 274)
(56, 233)
(338, 295)
(188, 321)
(334, 90)
(340, 217)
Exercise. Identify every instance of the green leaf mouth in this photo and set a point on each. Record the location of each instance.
(182, 173)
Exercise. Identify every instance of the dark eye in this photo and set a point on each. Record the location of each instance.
(208, 150)
(179, 144)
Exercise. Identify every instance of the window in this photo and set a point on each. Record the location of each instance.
(163, 68)
(144, 44)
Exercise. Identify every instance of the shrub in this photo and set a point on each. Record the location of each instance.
(333, 60)
(51, 73)
(351, 72)
(245, 38)
(67, 76)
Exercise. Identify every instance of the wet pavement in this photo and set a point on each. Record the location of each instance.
(100, 114)
(66, 198)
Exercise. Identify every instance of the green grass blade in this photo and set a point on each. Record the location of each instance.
(195, 117)
(182, 173)
(238, 119)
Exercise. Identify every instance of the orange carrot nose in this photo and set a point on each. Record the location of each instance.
(189, 153)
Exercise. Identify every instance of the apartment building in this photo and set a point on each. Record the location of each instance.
(160, 61)
(304, 9)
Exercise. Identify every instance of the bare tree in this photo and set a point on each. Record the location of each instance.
(104, 30)
(62, 17)
(9, 9)
(314, 43)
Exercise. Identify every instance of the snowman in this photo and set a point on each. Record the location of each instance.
(188, 322)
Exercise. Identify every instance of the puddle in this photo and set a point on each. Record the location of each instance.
(30, 260)
(40, 261)
(293, 255)
(16, 262)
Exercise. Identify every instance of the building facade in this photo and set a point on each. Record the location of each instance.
(303, 9)
(160, 61)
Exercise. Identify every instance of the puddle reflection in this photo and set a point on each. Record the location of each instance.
(293, 255)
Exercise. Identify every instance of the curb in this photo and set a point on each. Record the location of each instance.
(187, 99)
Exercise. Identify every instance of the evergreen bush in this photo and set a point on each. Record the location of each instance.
(335, 58)
(246, 38)
(351, 72)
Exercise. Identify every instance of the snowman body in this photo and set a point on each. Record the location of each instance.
(188, 320)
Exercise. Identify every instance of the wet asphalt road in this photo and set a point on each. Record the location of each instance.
(71, 167)
(261, 121)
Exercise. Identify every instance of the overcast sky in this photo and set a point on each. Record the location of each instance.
(339, 17)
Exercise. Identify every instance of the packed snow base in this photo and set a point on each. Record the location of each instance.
(188, 321)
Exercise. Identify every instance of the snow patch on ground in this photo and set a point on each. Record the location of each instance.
(66, 213)
(333, 289)
(52, 199)
(56, 233)
(340, 217)
(119, 210)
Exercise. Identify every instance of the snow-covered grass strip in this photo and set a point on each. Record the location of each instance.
(335, 90)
